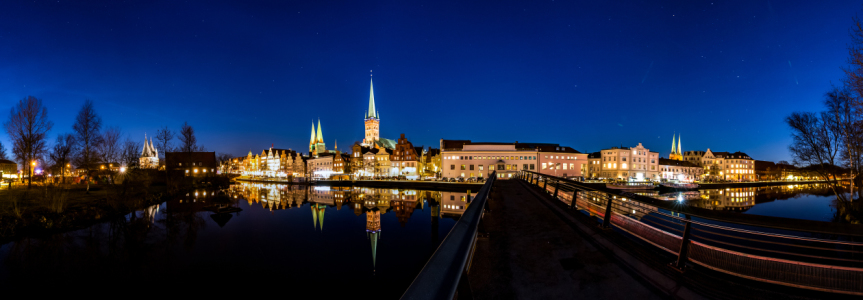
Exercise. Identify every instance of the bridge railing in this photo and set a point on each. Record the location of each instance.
(821, 256)
(446, 270)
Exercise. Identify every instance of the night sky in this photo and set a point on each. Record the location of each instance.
(586, 74)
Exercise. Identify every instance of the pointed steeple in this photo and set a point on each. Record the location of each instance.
(321, 216)
(313, 140)
(315, 215)
(672, 143)
(155, 152)
(679, 151)
(144, 150)
(374, 238)
(372, 112)
(320, 135)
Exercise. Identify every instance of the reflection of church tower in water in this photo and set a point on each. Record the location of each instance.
(318, 214)
(373, 231)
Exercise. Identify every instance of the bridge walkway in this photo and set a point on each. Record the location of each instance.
(528, 252)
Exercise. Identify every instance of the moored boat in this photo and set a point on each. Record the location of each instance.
(670, 186)
(630, 185)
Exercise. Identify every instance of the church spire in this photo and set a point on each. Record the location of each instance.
(312, 141)
(678, 145)
(320, 135)
(673, 142)
(372, 112)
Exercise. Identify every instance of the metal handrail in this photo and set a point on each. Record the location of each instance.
(441, 275)
(722, 216)
(823, 268)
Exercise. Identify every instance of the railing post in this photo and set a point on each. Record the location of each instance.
(606, 220)
(683, 255)
(574, 198)
(556, 187)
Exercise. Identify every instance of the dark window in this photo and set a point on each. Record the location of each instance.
(531, 166)
(452, 167)
(471, 167)
(451, 197)
(524, 167)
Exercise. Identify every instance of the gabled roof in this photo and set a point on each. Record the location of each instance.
(679, 163)
(555, 148)
(386, 143)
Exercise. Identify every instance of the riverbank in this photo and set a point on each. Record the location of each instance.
(394, 184)
(44, 210)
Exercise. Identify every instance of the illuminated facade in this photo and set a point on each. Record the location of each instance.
(149, 156)
(594, 165)
(560, 161)
(8, 169)
(635, 163)
(430, 162)
(405, 159)
(737, 166)
(465, 159)
(679, 170)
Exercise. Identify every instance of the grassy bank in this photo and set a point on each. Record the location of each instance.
(55, 208)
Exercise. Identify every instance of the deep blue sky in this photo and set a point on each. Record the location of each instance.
(586, 74)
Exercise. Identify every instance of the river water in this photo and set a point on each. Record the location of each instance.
(798, 201)
(330, 242)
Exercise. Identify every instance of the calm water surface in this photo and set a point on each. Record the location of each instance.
(799, 201)
(332, 242)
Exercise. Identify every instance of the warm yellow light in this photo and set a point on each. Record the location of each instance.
(33, 163)
(196, 170)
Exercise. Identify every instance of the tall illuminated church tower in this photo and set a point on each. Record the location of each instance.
(676, 154)
(373, 120)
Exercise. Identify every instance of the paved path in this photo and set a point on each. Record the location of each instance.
(530, 253)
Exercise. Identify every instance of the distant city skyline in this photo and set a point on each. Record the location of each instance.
(585, 75)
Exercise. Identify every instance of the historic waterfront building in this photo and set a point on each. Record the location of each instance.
(405, 159)
(149, 156)
(465, 159)
(693, 156)
(635, 163)
(429, 164)
(737, 166)
(679, 170)
(676, 154)
(562, 161)
(594, 168)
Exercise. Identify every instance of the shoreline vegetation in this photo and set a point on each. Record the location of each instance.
(48, 208)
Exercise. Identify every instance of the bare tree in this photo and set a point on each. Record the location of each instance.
(188, 141)
(164, 137)
(61, 153)
(110, 147)
(87, 129)
(28, 125)
(129, 154)
(3, 154)
(817, 142)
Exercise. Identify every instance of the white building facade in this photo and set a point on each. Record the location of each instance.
(633, 164)
(462, 158)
